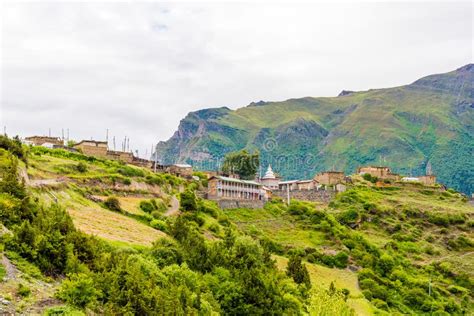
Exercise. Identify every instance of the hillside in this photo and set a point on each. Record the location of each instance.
(430, 120)
(401, 248)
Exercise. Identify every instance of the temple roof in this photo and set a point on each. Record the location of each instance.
(269, 174)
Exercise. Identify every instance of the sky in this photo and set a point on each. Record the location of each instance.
(137, 68)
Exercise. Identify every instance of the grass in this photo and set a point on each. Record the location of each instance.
(322, 277)
(281, 228)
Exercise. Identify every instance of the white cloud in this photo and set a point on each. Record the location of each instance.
(138, 68)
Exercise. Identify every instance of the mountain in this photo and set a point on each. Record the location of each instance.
(430, 120)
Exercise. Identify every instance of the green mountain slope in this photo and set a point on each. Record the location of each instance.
(430, 120)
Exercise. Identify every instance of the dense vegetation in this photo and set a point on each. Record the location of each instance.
(403, 127)
(241, 163)
(402, 243)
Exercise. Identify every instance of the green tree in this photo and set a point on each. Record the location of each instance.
(188, 201)
(298, 271)
(78, 290)
(242, 163)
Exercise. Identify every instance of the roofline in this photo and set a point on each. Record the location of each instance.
(236, 180)
(91, 141)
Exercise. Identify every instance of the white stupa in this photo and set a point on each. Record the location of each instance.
(269, 179)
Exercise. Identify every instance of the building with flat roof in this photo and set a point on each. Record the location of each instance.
(383, 173)
(40, 140)
(220, 187)
(92, 148)
(330, 177)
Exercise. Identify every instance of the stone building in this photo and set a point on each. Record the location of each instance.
(329, 177)
(124, 156)
(428, 179)
(270, 180)
(220, 187)
(40, 140)
(92, 148)
(298, 185)
(383, 173)
(181, 170)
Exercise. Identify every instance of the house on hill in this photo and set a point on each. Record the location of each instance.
(383, 173)
(41, 140)
(330, 177)
(220, 187)
(92, 148)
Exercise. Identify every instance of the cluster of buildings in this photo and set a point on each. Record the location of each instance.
(100, 149)
(230, 187)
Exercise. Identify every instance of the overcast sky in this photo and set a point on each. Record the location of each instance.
(138, 69)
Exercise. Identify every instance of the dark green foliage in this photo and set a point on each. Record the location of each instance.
(370, 178)
(113, 204)
(14, 146)
(148, 206)
(242, 163)
(81, 167)
(78, 290)
(298, 271)
(188, 201)
(23, 290)
(130, 171)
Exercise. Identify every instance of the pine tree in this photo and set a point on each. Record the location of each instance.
(298, 271)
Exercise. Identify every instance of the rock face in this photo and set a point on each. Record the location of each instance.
(431, 119)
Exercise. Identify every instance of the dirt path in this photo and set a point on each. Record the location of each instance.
(10, 269)
(174, 208)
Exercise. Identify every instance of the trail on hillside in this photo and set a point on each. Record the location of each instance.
(11, 270)
(174, 208)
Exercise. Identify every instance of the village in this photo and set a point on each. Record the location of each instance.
(228, 190)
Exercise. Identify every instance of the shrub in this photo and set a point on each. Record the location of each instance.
(81, 167)
(298, 271)
(147, 206)
(127, 181)
(23, 290)
(113, 204)
(188, 201)
(159, 224)
(215, 228)
(78, 290)
(369, 178)
(341, 260)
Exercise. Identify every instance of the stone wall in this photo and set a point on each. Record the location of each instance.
(307, 195)
(226, 204)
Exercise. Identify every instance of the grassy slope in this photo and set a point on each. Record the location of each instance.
(89, 216)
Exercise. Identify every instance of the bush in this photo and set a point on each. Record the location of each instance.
(159, 224)
(147, 206)
(113, 204)
(23, 290)
(341, 260)
(127, 181)
(369, 178)
(78, 290)
(188, 201)
(81, 167)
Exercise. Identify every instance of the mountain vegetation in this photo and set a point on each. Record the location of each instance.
(427, 122)
(82, 235)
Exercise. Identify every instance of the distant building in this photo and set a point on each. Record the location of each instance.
(425, 180)
(40, 140)
(329, 177)
(428, 179)
(298, 185)
(220, 187)
(181, 170)
(124, 156)
(383, 173)
(270, 180)
(92, 148)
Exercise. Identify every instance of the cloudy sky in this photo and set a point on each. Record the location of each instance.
(138, 68)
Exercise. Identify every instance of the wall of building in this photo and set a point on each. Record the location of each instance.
(329, 178)
(228, 204)
(307, 195)
(96, 151)
(428, 180)
(40, 140)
